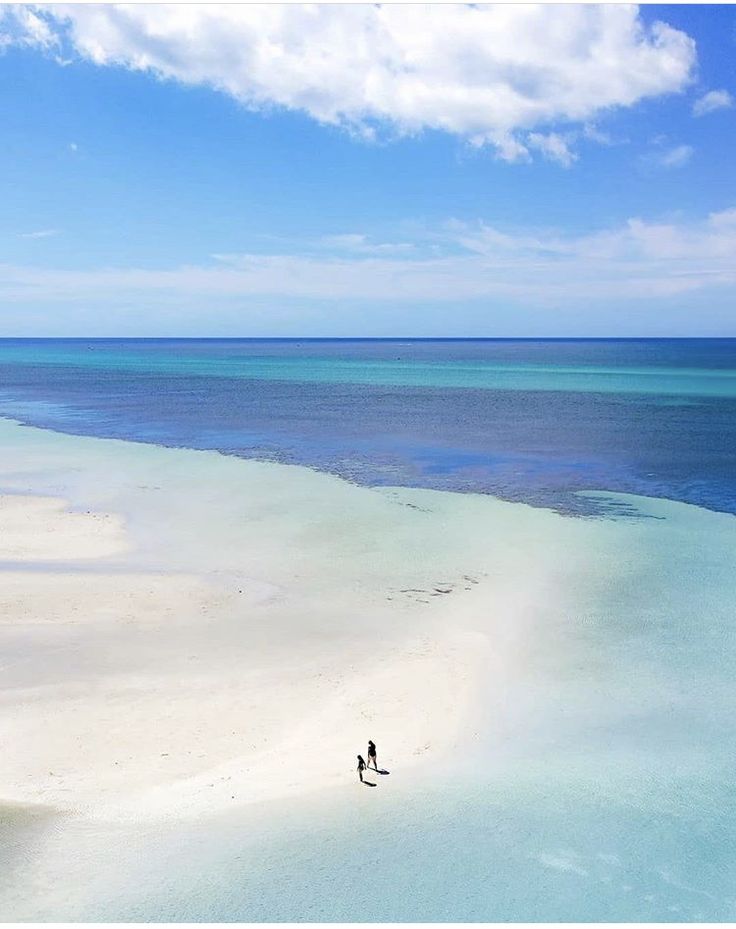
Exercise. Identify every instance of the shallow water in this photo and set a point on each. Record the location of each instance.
(602, 784)
(602, 790)
(600, 787)
(509, 849)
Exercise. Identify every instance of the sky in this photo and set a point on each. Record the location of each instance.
(358, 170)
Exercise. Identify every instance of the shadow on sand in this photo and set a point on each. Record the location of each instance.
(368, 783)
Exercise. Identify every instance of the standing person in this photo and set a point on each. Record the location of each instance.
(372, 754)
(361, 767)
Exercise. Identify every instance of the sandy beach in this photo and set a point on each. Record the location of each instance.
(150, 672)
(195, 648)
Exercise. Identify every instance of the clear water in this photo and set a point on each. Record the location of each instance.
(611, 794)
(601, 789)
(534, 421)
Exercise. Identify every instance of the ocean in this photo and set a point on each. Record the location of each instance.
(603, 788)
(534, 421)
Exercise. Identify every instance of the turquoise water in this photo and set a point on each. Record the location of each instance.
(603, 788)
(308, 368)
(528, 420)
(503, 852)
(609, 796)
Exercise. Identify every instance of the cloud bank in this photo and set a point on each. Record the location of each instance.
(454, 263)
(502, 76)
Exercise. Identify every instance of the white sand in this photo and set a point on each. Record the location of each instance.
(182, 632)
(43, 529)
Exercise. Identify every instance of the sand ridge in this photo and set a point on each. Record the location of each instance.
(133, 687)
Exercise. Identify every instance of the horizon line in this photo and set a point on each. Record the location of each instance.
(397, 338)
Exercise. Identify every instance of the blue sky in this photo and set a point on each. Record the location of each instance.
(368, 171)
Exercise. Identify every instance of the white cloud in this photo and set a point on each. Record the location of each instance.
(594, 134)
(360, 244)
(553, 146)
(22, 25)
(458, 262)
(713, 100)
(41, 234)
(700, 252)
(724, 218)
(675, 157)
(488, 74)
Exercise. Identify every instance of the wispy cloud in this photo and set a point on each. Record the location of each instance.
(40, 234)
(594, 134)
(673, 156)
(713, 100)
(511, 77)
(553, 146)
(360, 244)
(639, 260)
(676, 157)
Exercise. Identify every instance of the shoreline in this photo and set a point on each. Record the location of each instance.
(522, 674)
(161, 729)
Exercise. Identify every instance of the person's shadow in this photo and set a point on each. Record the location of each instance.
(382, 771)
(368, 783)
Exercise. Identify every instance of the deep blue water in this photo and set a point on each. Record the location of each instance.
(529, 420)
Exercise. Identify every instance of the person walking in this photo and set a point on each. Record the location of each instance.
(372, 754)
(361, 767)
